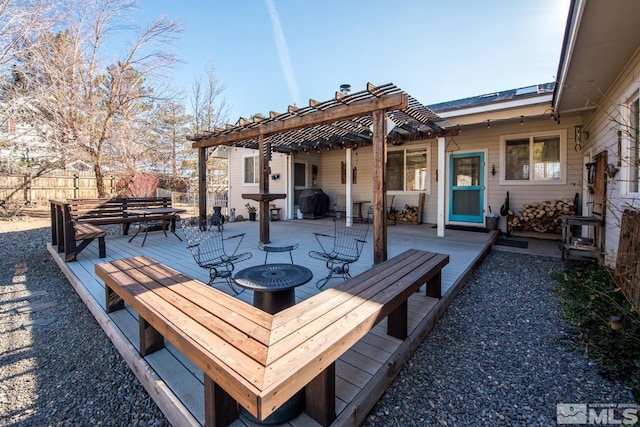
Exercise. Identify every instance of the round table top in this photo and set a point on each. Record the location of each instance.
(273, 277)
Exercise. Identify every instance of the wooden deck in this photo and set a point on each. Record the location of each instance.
(363, 373)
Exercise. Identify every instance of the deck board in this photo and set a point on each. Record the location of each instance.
(362, 372)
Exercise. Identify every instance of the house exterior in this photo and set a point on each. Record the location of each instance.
(531, 143)
(599, 88)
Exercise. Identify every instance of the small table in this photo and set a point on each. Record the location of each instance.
(273, 288)
(151, 214)
(273, 285)
(360, 218)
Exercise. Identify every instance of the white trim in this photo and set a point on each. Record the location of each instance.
(626, 145)
(563, 158)
(442, 182)
(578, 13)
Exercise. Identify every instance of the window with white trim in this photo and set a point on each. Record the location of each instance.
(250, 172)
(632, 161)
(536, 158)
(408, 169)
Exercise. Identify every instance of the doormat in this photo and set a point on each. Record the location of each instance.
(464, 228)
(512, 243)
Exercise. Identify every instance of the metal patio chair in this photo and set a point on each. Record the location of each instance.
(341, 249)
(209, 248)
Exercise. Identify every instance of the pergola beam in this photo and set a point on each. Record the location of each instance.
(340, 112)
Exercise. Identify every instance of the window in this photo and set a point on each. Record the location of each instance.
(250, 172)
(634, 146)
(533, 158)
(407, 169)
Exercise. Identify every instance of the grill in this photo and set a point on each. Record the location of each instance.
(313, 203)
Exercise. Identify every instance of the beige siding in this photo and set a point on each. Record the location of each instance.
(603, 125)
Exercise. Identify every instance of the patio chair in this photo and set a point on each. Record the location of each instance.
(209, 249)
(341, 249)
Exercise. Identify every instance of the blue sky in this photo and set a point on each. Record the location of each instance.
(274, 53)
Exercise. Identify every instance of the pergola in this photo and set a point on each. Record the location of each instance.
(346, 121)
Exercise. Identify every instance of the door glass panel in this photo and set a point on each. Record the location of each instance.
(466, 171)
(300, 175)
(466, 202)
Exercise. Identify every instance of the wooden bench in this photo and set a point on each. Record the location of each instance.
(79, 220)
(257, 359)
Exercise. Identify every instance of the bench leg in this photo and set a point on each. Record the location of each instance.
(150, 338)
(321, 397)
(434, 286)
(114, 302)
(397, 322)
(102, 248)
(220, 409)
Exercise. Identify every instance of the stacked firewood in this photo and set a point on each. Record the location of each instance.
(543, 217)
(409, 214)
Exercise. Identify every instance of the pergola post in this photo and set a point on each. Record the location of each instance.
(379, 188)
(263, 185)
(202, 183)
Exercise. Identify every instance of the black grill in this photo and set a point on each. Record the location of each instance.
(313, 201)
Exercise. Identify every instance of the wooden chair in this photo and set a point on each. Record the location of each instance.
(208, 249)
(341, 249)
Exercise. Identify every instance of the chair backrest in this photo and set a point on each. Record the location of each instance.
(350, 237)
(341, 202)
(206, 245)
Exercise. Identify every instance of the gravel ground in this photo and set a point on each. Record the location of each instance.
(66, 373)
(499, 356)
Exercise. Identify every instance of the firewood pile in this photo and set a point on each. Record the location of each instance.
(409, 214)
(543, 217)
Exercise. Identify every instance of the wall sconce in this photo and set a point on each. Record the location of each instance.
(275, 176)
(493, 170)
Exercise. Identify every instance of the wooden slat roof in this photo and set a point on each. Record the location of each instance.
(342, 122)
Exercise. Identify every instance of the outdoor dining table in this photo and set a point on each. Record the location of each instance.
(273, 285)
(148, 215)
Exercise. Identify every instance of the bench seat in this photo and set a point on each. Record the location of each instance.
(79, 220)
(257, 359)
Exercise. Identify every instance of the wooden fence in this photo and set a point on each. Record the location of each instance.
(56, 184)
(628, 261)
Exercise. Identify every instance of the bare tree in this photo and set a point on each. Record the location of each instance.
(18, 20)
(210, 110)
(82, 101)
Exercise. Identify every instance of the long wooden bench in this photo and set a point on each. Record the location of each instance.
(75, 220)
(257, 359)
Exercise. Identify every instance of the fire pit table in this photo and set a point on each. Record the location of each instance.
(273, 285)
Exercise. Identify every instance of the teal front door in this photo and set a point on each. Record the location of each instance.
(466, 192)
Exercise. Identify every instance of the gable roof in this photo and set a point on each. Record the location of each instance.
(494, 100)
(600, 38)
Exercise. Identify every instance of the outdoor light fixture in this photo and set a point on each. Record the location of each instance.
(578, 134)
(615, 322)
(493, 170)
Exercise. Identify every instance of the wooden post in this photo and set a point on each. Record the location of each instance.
(263, 166)
(220, 409)
(202, 184)
(321, 397)
(379, 188)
